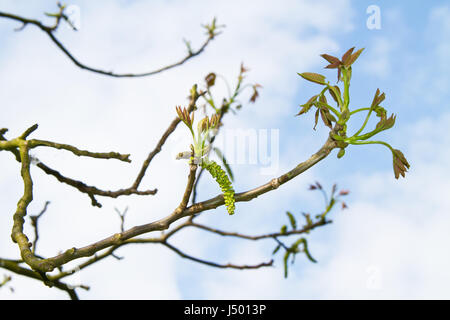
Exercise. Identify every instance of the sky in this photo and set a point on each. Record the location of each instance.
(391, 243)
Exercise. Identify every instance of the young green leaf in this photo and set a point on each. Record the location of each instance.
(335, 92)
(292, 220)
(305, 107)
(285, 261)
(277, 248)
(313, 77)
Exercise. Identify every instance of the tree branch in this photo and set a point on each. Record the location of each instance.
(217, 265)
(50, 33)
(14, 267)
(49, 264)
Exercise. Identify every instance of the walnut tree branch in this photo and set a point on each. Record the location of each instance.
(49, 31)
(47, 265)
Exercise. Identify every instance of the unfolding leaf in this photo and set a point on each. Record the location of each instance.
(305, 107)
(333, 189)
(292, 220)
(313, 77)
(380, 112)
(255, 94)
(334, 91)
(316, 118)
(210, 79)
(243, 69)
(305, 248)
(324, 115)
(308, 219)
(354, 57)
(378, 98)
(347, 56)
(400, 163)
(285, 262)
(276, 249)
(334, 62)
(331, 117)
(385, 124)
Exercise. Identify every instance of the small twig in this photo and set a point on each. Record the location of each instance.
(305, 229)
(99, 155)
(5, 280)
(34, 224)
(217, 265)
(122, 217)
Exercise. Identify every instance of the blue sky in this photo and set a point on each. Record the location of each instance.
(394, 231)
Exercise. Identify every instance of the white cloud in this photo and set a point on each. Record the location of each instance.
(378, 62)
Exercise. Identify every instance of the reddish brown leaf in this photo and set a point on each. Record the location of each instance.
(255, 92)
(333, 65)
(316, 119)
(323, 99)
(243, 69)
(400, 164)
(354, 56)
(325, 119)
(385, 124)
(347, 56)
(331, 59)
(210, 79)
(375, 98)
(307, 105)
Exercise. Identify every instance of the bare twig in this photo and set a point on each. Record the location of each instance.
(34, 223)
(122, 217)
(305, 229)
(49, 30)
(217, 265)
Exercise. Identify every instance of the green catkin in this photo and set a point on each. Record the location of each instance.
(224, 182)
